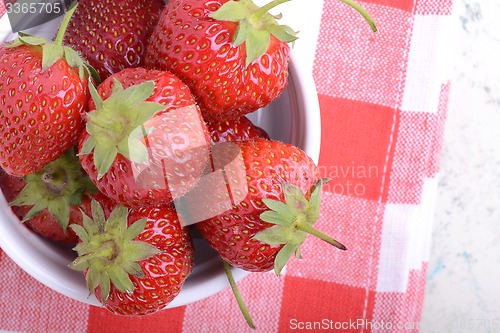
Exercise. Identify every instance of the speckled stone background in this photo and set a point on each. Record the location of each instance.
(463, 288)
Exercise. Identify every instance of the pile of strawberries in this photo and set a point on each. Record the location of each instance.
(128, 132)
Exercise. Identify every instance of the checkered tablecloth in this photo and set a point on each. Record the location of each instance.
(383, 101)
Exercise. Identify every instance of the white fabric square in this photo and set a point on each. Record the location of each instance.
(429, 62)
(394, 264)
(406, 235)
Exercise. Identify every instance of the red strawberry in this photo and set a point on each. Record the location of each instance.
(241, 129)
(43, 94)
(145, 143)
(134, 261)
(47, 226)
(232, 69)
(112, 35)
(282, 203)
(49, 200)
(11, 187)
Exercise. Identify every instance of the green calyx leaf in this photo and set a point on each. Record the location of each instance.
(293, 220)
(85, 70)
(25, 39)
(117, 126)
(56, 187)
(256, 25)
(108, 250)
(282, 257)
(50, 54)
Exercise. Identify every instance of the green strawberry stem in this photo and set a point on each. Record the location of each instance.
(108, 250)
(237, 295)
(64, 24)
(310, 230)
(259, 13)
(56, 181)
(363, 13)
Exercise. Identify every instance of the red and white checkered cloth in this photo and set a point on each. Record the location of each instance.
(383, 104)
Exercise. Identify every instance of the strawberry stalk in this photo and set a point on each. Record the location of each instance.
(237, 295)
(363, 13)
(259, 13)
(64, 24)
(310, 230)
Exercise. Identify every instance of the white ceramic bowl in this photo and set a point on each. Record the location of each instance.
(293, 118)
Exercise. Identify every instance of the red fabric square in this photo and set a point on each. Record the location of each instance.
(26, 305)
(101, 320)
(434, 7)
(331, 307)
(354, 63)
(357, 145)
(406, 5)
(356, 223)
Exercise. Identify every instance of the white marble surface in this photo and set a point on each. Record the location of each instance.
(463, 283)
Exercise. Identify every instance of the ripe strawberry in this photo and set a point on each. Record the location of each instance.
(11, 187)
(49, 200)
(43, 94)
(112, 35)
(282, 203)
(47, 226)
(241, 129)
(233, 56)
(145, 142)
(134, 261)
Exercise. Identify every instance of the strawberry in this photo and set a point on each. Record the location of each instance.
(135, 261)
(145, 142)
(47, 226)
(11, 187)
(241, 129)
(43, 94)
(112, 35)
(233, 55)
(265, 227)
(51, 199)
